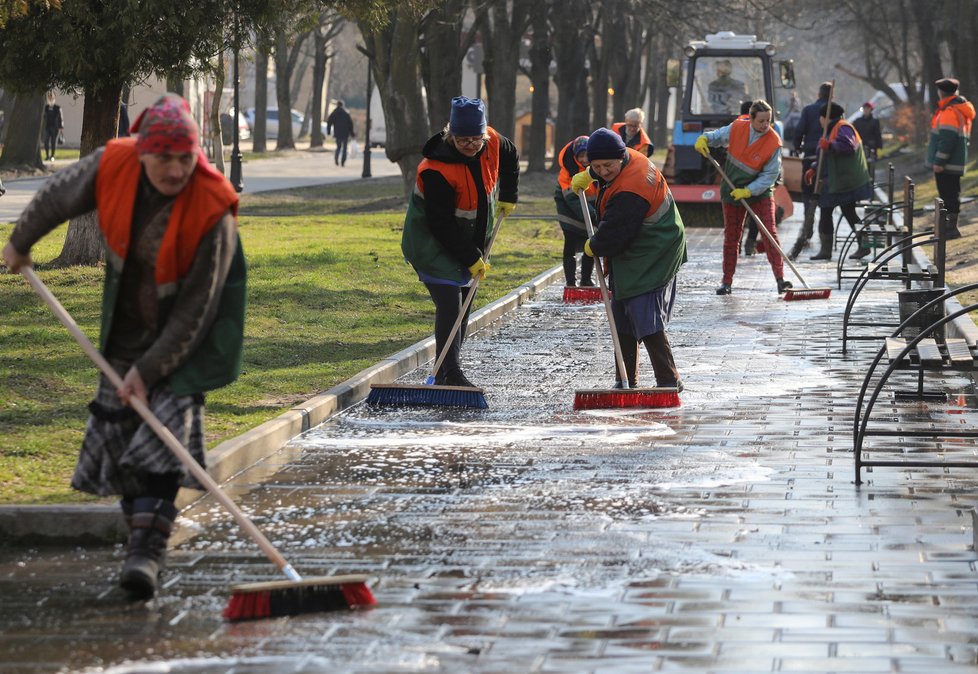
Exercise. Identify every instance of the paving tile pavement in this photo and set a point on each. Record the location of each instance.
(724, 536)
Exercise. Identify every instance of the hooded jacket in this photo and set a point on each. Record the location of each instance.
(950, 129)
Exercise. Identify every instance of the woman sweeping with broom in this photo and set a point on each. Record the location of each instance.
(469, 174)
(641, 234)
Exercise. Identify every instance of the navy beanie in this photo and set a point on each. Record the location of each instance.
(468, 117)
(837, 111)
(605, 144)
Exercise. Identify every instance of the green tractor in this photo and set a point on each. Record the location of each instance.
(716, 77)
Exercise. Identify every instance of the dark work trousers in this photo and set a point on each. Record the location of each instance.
(949, 189)
(825, 226)
(448, 302)
(50, 142)
(341, 145)
(574, 244)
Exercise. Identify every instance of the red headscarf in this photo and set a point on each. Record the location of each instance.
(166, 127)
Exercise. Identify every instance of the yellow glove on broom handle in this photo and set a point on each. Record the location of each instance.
(619, 358)
(760, 225)
(466, 303)
(162, 431)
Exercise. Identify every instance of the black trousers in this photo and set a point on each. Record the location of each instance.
(50, 142)
(574, 244)
(448, 301)
(825, 225)
(949, 189)
(341, 145)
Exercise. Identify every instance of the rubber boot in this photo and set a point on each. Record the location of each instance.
(152, 523)
(951, 230)
(862, 249)
(825, 248)
(629, 353)
(587, 267)
(663, 364)
(569, 267)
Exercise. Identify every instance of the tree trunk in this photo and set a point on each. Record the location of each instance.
(283, 96)
(259, 141)
(441, 63)
(217, 137)
(573, 116)
(100, 123)
(395, 62)
(22, 146)
(174, 84)
(316, 138)
(504, 31)
(540, 57)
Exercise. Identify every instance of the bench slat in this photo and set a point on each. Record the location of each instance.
(958, 352)
(894, 345)
(929, 352)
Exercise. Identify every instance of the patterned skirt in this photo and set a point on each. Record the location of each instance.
(121, 455)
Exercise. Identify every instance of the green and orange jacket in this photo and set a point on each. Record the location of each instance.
(950, 130)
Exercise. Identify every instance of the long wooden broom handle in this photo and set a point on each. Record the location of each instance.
(468, 301)
(825, 131)
(162, 431)
(619, 358)
(760, 225)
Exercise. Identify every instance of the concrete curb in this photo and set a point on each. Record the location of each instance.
(88, 524)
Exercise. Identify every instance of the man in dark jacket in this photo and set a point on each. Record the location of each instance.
(807, 134)
(868, 128)
(340, 124)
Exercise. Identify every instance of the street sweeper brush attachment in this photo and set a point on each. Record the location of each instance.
(602, 399)
(273, 599)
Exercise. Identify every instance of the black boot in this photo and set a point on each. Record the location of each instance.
(152, 523)
(800, 245)
(570, 265)
(454, 378)
(663, 364)
(825, 248)
(629, 353)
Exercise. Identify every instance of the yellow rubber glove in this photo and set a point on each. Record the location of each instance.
(741, 193)
(581, 181)
(504, 208)
(702, 146)
(479, 268)
(587, 248)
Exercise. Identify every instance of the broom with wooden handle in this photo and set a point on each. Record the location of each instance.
(808, 293)
(435, 395)
(255, 600)
(588, 399)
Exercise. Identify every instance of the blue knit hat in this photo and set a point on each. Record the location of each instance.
(605, 144)
(579, 145)
(468, 117)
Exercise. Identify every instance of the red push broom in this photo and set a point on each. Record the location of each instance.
(255, 600)
(582, 294)
(430, 394)
(790, 294)
(624, 397)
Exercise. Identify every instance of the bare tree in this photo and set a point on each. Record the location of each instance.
(443, 45)
(539, 74)
(502, 25)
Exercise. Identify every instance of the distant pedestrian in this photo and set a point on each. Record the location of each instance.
(123, 120)
(54, 126)
(340, 124)
(173, 308)
(947, 151)
(869, 131)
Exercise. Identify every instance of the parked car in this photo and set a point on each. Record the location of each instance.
(271, 122)
(227, 131)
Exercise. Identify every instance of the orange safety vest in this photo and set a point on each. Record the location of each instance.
(751, 157)
(458, 176)
(197, 208)
(642, 144)
(564, 178)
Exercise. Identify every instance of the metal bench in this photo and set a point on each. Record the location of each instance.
(896, 263)
(927, 353)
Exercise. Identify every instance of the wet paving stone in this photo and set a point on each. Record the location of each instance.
(725, 536)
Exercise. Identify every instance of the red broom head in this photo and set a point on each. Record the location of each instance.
(792, 294)
(582, 295)
(285, 598)
(597, 399)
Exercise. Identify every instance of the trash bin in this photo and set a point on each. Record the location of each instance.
(911, 301)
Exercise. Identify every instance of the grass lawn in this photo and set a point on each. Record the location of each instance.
(329, 294)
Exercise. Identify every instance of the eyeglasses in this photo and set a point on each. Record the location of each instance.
(474, 141)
